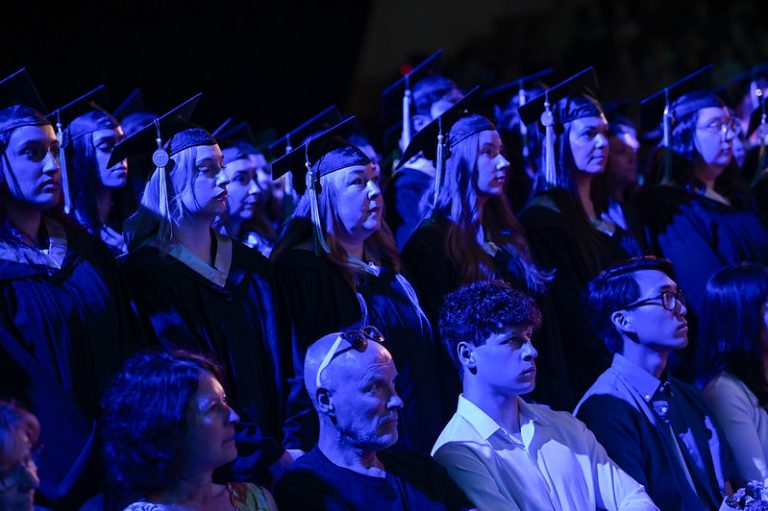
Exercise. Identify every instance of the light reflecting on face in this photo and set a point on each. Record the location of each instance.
(34, 177)
(589, 144)
(506, 362)
(20, 470)
(492, 167)
(714, 136)
(209, 439)
(364, 398)
(207, 193)
(359, 204)
(653, 325)
(242, 190)
(103, 142)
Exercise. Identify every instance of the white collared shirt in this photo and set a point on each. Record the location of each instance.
(555, 463)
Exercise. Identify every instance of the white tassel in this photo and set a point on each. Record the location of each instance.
(161, 158)
(63, 167)
(314, 211)
(406, 118)
(439, 162)
(548, 120)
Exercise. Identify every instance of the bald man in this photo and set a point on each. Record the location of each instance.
(350, 377)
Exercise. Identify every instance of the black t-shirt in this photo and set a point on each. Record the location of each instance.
(413, 483)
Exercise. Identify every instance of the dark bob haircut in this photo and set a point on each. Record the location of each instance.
(613, 289)
(732, 325)
(144, 412)
(474, 312)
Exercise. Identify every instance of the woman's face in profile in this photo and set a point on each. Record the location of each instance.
(358, 203)
(103, 142)
(491, 165)
(589, 144)
(714, 135)
(209, 438)
(18, 476)
(34, 178)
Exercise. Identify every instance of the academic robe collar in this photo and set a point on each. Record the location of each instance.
(50, 257)
(217, 274)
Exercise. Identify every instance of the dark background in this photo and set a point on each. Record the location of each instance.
(277, 63)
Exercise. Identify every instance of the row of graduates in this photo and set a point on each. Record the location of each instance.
(68, 308)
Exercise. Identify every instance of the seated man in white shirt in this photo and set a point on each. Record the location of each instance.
(503, 452)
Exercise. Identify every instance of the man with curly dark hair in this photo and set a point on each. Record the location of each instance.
(506, 453)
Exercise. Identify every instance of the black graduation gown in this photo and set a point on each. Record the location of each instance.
(235, 324)
(700, 236)
(318, 301)
(63, 334)
(555, 246)
(434, 275)
(403, 201)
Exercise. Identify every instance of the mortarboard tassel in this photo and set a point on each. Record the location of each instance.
(440, 158)
(160, 158)
(666, 141)
(523, 127)
(63, 165)
(407, 114)
(321, 247)
(548, 120)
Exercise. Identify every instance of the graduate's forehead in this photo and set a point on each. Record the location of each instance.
(354, 365)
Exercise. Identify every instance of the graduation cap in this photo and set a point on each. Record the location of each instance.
(400, 92)
(72, 115)
(132, 113)
(221, 127)
(438, 136)
(324, 120)
(658, 106)
(583, 83)
(168, 134)
(319, 156)
(19, 90)
(173, 122)
(132, 104)
(511, 96)
(518, 88)
(64, 117)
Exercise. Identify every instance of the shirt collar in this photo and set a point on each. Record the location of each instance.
(485, 425)
(641, 380)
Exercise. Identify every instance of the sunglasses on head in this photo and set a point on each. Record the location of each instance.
(358, 341)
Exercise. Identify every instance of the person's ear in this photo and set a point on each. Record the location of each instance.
(622, 321)
(324, 402)
(466, 355)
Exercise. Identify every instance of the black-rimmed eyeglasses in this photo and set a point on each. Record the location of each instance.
(670, 300)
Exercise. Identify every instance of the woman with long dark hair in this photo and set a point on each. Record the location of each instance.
(66, 322)
(472, 235)
(336, 267)
(565, 228)
(732, 362)
(95, 188)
